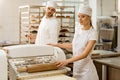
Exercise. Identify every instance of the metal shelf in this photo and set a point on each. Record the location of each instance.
(28, 13)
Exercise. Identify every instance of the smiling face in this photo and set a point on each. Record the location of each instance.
(84, 19)
(49, 11)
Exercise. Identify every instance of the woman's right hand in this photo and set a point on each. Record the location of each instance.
(61, 63)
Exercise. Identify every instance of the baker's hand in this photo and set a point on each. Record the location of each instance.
(61, 63)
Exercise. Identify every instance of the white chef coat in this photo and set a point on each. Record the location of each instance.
(48, 31)
(83, 69)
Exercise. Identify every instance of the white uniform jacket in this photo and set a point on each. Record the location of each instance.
(48, 31)
(83, 69)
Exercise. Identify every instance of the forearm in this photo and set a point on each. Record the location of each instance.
(64, 45)
(76, 58)
(84, 54)
(65, 62)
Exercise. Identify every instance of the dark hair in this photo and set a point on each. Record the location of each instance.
(91, 23)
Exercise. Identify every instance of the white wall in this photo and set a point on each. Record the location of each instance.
(93, 4)
(106, 7)
(9, 18)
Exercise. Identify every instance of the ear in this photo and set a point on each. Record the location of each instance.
(54, 14)
(89, 17)
(55, 10)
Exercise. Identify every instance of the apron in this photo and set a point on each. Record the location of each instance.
(48, 31)
(83, 69)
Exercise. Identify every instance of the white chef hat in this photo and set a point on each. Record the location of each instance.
(85, 9)
(51, 4)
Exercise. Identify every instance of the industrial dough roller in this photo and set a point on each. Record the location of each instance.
(33, 62)
(3, 65)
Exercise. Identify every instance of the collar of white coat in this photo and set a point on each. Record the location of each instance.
(79, 27)
(84, 29)
(49, 17)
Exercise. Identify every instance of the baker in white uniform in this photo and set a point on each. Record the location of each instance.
(84, 40)
(49, 27)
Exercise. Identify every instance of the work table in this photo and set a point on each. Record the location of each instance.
(107, 64)
(112, 61)
(108, 68)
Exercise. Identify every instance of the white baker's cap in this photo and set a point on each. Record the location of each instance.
(51, 4)
(85, 9)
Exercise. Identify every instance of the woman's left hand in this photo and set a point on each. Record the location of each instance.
(61, 63)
